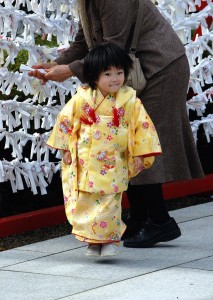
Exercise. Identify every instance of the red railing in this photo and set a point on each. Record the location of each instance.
(55, 215)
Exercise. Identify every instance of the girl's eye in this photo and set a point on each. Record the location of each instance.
(107, 74)
(121, 72)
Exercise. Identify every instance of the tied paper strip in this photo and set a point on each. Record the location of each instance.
(201, 74)
(35, 175)
(31, 86)
(207, 123)
(56, 18)
(24, 112)
(61, 26)
(36, 53)
(177, 13)
(18, 140)
(199, 102)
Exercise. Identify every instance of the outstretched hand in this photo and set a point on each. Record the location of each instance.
(52, 71)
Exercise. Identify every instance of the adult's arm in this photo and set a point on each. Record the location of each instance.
(116, 19)
(73, 56)
(76, 51)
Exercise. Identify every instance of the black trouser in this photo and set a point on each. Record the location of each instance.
(147, 201)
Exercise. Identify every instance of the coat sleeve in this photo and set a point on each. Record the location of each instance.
(74, 55)
(116, 19)
(146, 141)
(67, 123)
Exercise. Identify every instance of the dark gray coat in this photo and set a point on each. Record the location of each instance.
(165, 66)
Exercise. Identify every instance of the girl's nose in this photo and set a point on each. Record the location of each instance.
(115, 78)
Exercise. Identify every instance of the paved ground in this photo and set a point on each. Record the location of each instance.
(58, 268)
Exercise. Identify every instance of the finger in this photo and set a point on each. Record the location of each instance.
(43, 81)
(30, 73)
(48, 69)
(39, 66)
(36, 74)
(39, 75)
(67, 162)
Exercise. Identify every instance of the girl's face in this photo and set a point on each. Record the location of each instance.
(110, 81)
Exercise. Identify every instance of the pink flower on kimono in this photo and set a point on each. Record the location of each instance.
(103, 224)
(81, 161)
(115, 188)
(109, 137)
(121, 112)
(110, 124)
(91, 184)
(145, 125)
(65, 200)
(65, 125)
(101, 155)
(103, 172)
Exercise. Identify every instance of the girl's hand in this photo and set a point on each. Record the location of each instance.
(67, 158)
(138, 163)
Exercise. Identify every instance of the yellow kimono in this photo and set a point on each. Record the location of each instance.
(103, 135)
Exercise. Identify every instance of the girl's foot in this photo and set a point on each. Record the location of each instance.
(109, 250)
(94, 250)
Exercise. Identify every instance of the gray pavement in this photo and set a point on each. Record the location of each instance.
(58, 268)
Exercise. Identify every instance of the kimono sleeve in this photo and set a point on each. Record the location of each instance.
(66, 125)
(146, 141)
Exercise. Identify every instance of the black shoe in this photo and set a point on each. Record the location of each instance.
(132, 228)
(151, 234)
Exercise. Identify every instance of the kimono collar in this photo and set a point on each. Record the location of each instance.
(122, 96)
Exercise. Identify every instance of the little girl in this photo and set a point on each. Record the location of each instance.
(106, 137)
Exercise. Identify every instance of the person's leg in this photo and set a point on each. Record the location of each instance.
(146, 201)
(138, 211)
(164, 98)
(159, 226)
(155, 204)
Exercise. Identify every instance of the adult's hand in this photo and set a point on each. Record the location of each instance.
(53, 72)
(37, 74)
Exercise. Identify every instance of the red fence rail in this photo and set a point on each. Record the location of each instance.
(55, 215)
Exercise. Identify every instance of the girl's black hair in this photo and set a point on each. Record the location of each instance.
(101, 58)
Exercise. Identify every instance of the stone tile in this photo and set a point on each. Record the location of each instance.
(169, 284)
(192, 245)
(58, 268)
(55, 245)
(201, 264)
(25, 286)
(192, 212)
(13, 257)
